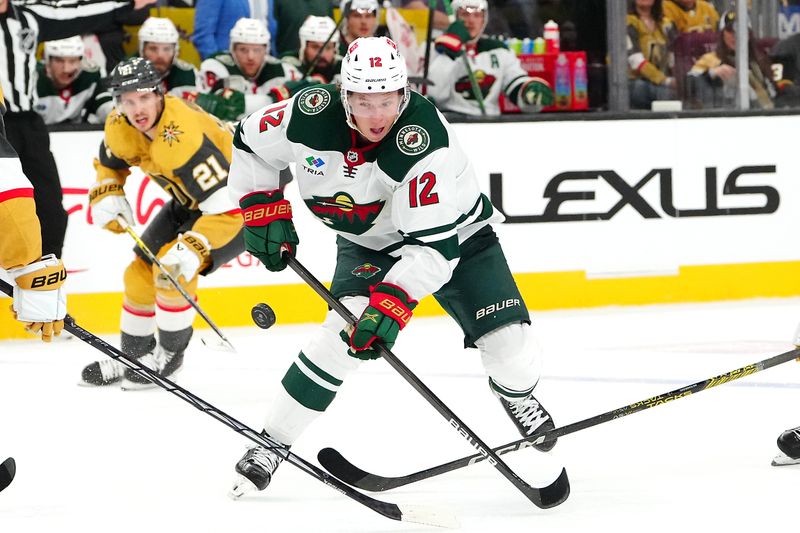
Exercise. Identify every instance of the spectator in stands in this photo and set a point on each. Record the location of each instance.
(213, 20)
(692, 15)
(289, 15)
(317, 57)
(159, 43)
(67, 91)
(785, 57)
(361, 20)
(247, 78)
(713, 77)
(650, 34)
(495, 68)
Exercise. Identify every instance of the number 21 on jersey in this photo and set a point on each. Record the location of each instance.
(420, 190)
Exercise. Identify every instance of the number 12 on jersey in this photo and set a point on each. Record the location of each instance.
(420, 190)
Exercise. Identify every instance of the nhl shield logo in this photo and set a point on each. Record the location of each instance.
(412, 139)
(366, 271)
(313, 101)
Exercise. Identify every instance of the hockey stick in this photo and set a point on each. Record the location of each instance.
(407, 513)
(8, 469)
(225, 344)
(545, 497)
(336, 464)
(428, 37)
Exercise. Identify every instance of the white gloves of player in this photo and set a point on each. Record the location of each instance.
(186, 256)
(108, 202)
(39, 298)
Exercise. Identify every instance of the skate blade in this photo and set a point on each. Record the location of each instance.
(241, 486)
(128, 385)
(784, 460)
(82, 383)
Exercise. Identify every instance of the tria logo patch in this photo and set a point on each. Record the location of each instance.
(170, 133)
(413, 139)
(314, 161)
(313, 101)
(366, 271)
(342, 213)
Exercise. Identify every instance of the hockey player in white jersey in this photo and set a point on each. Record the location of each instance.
(377, 164)
(159, 43)
(318, 57)
(496, 68)
(66, 90)
(247, 70)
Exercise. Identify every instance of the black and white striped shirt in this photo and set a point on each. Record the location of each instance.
(25, 23)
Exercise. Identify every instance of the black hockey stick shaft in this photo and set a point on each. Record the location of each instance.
(186, 296)
(546, 497)
(388, 510)
(8, 470)
(340, 467)
(428, 37)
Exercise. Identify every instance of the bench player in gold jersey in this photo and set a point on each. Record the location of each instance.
(187, 152)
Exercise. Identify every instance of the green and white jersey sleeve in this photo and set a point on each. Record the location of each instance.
(220, 71)
(183, 78)
(496, 68)
(83, 100)
(414, 195)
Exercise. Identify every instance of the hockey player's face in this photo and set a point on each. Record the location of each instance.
(374, 113)
(361, 23)
(473, 19)
(63, 70)
(160, 55)
(325, 58)
(249, 57)
(142, 109)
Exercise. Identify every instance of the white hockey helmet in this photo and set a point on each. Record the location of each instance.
(317, 29)
(69, 47)
(249, 31)
(373, 65)
(347, 6)
(158, 30)
(473, 5)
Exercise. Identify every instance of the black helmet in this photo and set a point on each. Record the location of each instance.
(134, 74)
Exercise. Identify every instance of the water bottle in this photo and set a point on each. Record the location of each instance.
(552, 37)
(538, 46)
(527, 46)
(563, 88)
(580, 84)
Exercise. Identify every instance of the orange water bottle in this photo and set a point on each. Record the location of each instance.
(552, 37)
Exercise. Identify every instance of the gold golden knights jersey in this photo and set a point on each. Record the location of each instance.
(702, 17)
(648, 50)
(22, 236)
(189, 157)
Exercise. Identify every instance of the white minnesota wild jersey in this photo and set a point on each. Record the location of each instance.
(413, 195)
(83, 100)
(496, 68)
(220, 71)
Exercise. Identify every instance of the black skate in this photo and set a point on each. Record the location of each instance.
(162, 361)
(530, 417)
(102, 373)
(255, 471)
(789, 444)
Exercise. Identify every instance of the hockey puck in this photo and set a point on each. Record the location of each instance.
(263, 315)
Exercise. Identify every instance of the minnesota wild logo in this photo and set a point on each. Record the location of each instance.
(314, 100)
(413, 139)
(342, 213)
(170, 133)
(366, 271)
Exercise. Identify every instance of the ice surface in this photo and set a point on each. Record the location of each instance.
(97, 460)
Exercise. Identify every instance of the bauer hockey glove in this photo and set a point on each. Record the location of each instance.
(107, 199)
(268, 227)
(452, 41)
(186, 257)
(535, 94)
(225, 104)
(388, 312)
(39, 298)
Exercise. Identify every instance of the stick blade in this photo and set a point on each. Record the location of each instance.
(8, 469)
(335, 463)
(429, 516)
(555, 493)
(217, 344)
